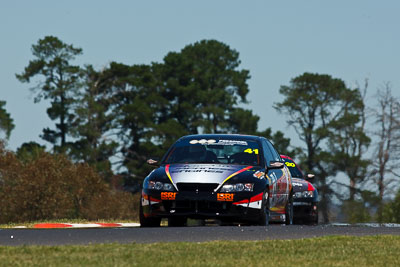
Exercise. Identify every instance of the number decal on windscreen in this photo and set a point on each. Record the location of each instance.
(290, 164)
(251, 151)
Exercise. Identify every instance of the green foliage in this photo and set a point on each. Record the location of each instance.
(29, 151)
(325, 115)
(135, 112)
(281, 143)
(93, 122)
(348, 140)
(139, 115)
(355, 211)
(51, 187)
(195, 90)
(6, 122)
(312, 103)
(386, 156)
(243, 121)
(52, 62)
(391, 210)
(204, 85)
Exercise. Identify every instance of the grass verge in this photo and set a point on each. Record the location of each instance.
(325, 251)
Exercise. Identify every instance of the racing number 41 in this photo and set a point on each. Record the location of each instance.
(251, 151)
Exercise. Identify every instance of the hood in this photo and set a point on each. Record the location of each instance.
(300, 185)
(203, 173)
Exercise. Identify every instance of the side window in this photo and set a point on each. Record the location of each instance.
(275, 154)
(267, 153)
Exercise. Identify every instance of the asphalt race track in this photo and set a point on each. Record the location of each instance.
(15, 237)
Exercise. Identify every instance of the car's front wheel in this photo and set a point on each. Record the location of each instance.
(313, 219)
(289, 211)
(147, 222)
(264, 213)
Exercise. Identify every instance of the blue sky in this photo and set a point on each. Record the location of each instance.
(277, 41)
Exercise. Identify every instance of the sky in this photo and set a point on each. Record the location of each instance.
(276, 40)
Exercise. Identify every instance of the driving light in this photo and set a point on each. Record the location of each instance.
(227, 188)
(160, 186)
(150, 185)
(237, 187)
(304, 194)
(168, 187)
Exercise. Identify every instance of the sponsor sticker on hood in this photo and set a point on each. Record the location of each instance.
(202, 173)
(222, 142)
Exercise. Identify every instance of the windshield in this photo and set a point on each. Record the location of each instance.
(223, 151)
(294, 170)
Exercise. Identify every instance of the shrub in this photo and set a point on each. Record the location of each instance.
(52, 187)
(391, 210)
(355, 211)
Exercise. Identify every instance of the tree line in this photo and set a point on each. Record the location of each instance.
(116, 117)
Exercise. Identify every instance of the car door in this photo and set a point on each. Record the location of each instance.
(283, 182)
(272, 175)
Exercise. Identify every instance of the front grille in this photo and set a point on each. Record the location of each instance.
(197, 206)
(193, 187)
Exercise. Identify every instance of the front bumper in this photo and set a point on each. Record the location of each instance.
(305, 210)
(202, 205)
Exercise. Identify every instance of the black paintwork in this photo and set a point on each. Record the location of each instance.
(203, 204)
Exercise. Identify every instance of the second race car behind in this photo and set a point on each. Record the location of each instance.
(305, 195)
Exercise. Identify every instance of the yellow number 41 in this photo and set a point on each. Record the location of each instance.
(251, 151)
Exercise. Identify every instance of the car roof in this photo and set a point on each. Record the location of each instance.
(230, 136)
(289, 158)
(286, 157)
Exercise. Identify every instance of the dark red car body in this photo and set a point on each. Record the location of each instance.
(305, 195)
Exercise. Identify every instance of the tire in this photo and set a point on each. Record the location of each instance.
(147, 222)
(264, 213)
(289, 211)
(316, 219)
(225, 223)
(177, 221)
(313, 220)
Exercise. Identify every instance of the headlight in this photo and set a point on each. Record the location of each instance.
(237, 187)
(160, 186)
(168, 187)
(304, 194)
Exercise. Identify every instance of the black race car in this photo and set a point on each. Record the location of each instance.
(305, 196)
(230, 178)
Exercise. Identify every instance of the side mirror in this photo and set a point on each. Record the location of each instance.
(153, 162)
(310, 177)
(276, 165)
